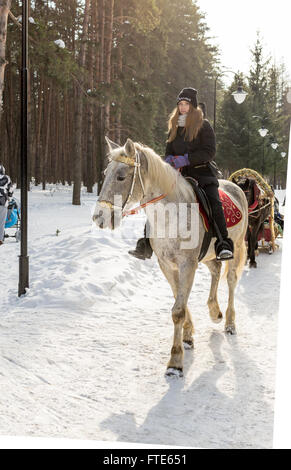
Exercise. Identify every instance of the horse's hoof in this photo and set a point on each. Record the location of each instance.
(218, 318)
(253, 264)
(173, 372)
(230, 330)
(188, 344)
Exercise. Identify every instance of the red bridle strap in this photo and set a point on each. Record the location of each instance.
(142, 206)
(137, 209)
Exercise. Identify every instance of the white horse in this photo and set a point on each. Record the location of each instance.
(138, 175)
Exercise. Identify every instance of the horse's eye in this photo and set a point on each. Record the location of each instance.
(120, 178)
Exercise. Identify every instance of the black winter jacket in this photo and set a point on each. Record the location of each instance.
(200, 151)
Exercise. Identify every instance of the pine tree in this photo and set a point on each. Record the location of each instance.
(4, 10)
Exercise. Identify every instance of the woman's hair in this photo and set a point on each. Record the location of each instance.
(194, 122)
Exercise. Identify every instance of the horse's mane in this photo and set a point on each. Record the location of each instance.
(162, 175)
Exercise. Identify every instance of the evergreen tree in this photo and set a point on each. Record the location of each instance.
(239, 143)
(138, 57)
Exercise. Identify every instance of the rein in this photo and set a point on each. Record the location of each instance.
(258, 210)
(136, 209)
(137, 164)
(145, 204)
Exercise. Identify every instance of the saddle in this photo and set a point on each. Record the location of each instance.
(232, 214)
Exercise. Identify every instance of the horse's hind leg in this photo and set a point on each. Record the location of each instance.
(188, 331)
(214, 267)
(234, 270)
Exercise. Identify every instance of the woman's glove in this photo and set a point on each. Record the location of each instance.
(180, 161)
(170, 159)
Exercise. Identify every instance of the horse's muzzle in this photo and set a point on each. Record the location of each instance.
(105, 217)
(99, 219)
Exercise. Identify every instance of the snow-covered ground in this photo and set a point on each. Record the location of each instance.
(83, 353)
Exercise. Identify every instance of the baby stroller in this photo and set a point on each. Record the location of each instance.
(13, 219)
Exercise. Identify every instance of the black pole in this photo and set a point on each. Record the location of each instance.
(275, 173)
(263, 166)
(248, 163)
(23, 258)
(214, 108)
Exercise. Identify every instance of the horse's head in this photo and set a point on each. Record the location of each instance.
(123, 184)
(247, 186)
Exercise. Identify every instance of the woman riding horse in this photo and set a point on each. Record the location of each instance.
(137, 175)
(190, 149)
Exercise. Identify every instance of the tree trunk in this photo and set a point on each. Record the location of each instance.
(119, 72)
(109, 37)
(99, 130)
(45, 174)
(4, 10)
(77, 165)
(38, 146)
(89, 169)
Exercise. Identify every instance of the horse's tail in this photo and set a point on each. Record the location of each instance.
(241, 247)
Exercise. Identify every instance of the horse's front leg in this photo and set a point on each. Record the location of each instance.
(186, 277)
(172, 276)
(253, 240)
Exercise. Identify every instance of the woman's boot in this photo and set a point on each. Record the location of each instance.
(223, 246)
(143, 248)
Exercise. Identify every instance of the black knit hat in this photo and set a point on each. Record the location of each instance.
(188, 94)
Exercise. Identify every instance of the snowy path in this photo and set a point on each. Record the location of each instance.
(83, 354)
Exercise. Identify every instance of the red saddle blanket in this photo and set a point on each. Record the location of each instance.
(232, 213)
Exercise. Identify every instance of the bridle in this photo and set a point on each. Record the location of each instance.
(136, 163)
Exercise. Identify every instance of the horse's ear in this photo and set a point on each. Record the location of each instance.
(111, 145)
(129, 148)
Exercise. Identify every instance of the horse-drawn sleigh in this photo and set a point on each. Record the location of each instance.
(262, 228)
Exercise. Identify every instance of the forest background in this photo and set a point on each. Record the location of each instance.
(115, 67)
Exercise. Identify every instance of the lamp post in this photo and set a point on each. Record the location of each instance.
(23, 258)
(239, 95)
(274, 146)
(263, 132)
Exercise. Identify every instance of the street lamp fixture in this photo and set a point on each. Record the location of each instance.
(263, 131)
(274, 145)
(283, 154)
(239, 95)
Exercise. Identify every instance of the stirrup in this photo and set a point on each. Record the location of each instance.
(224, 255)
